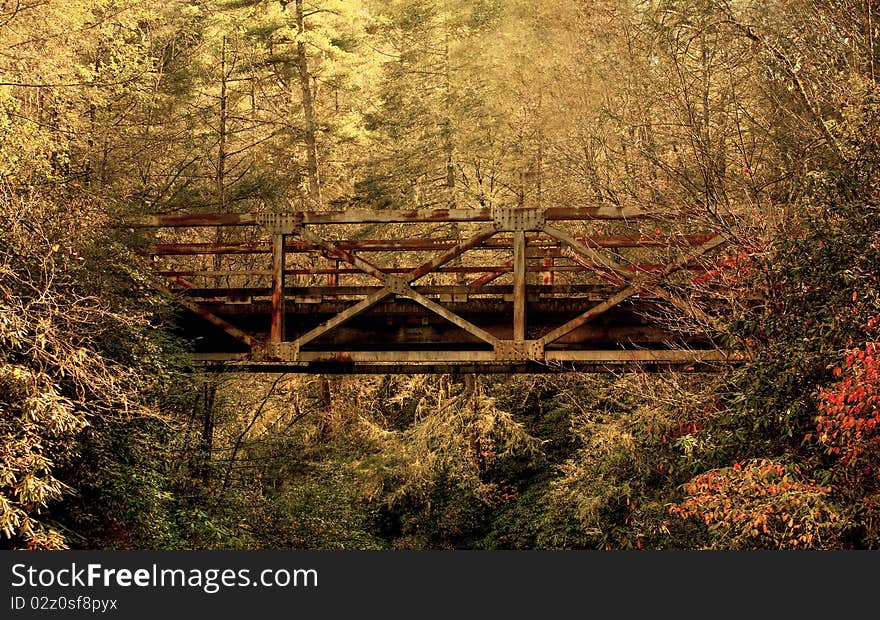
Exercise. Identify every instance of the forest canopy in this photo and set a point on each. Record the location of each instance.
(760, 119)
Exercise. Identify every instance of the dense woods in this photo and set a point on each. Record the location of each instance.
(760, 119)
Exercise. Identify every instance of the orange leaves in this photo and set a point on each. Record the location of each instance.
(761, 503)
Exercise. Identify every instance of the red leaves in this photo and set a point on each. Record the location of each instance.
(849, 420)
(684, 427)
(732, 270)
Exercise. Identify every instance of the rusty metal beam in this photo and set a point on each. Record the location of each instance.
(451, 254)
(715, 242)
(488, 312)
(460, 368)
(587, 316)
(276, 333)
(497, 270)
(372, 216)
(407, 333)
(597, 257)
(333, 276)
(198, 249)
(684, 305)
(189, 219)
(636, 286)
(605, 274)
(588, 290)
(342, 317)
(212, 318)
(329, 271)
(180, 281)
(613, 356)
(414, 245)
(491, 276)
(519, 286)
(453, 318)
(547, 271)
(350, 258)
(643, 241)
(683, 356)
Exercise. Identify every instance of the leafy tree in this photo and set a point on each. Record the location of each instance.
(77, 352)
(763, 504)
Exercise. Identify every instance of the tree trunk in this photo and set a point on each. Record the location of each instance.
(220, 178)
(207, 443)
(93, 111)
(221, 149)
(302, 66)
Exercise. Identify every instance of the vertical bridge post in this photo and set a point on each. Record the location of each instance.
(519, 286)
(276, 334)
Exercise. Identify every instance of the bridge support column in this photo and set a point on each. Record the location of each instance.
(276, 333)
(519, 286)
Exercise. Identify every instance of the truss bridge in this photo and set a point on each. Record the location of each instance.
(443, 290)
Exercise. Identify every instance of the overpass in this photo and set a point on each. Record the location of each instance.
(442, 290)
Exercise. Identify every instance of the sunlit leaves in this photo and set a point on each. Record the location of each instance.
(68, 358)
(763, 503)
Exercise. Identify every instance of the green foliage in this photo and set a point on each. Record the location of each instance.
(77, 352)
(634, 452)
(318, 509)
(129, 496)
(451, 465)
(823, 291)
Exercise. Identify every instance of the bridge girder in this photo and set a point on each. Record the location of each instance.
(592, 307)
